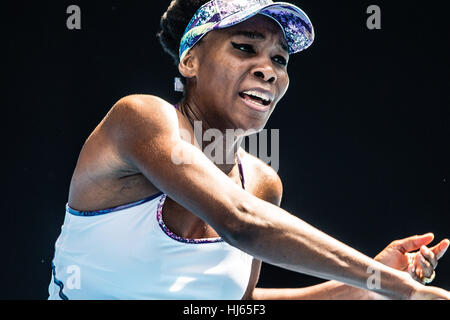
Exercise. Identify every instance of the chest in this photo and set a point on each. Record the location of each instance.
(185, 224)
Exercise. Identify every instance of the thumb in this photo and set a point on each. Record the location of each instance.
(413, 243)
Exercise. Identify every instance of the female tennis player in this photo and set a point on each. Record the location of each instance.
(141, 224)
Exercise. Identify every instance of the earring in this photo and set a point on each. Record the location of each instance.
(179, 86)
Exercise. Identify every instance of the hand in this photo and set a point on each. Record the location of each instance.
(418, 264)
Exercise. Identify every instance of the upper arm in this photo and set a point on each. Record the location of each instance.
(146, 133)
(147, 137)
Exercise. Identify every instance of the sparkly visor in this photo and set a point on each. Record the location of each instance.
(219, 14)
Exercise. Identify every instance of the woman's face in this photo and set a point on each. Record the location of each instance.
(241, 73)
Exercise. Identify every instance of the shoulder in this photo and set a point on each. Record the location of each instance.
(145, 106)
(137, 100)
(139, 122)
(141, 116)
(268, 184)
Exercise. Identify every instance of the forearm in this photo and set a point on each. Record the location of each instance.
(273, 235)
(330, 290)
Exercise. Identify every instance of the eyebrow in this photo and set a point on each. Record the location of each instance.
(258, 36)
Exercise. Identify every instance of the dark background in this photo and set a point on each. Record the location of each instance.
(364, 128)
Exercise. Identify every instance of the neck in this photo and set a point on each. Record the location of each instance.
(220, 146)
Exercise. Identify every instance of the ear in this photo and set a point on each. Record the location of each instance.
(188, 67)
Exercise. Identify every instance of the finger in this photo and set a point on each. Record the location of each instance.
(412, 272)
(429, 256)
(413, 243)
(423, 267)
(440, 249)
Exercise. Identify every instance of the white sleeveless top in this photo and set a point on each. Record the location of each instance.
(128, 253)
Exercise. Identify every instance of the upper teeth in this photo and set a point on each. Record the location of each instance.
(257, 94)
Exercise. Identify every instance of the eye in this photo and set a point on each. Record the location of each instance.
(243, 47)
(280, 60)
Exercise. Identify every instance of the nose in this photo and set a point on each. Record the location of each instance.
(265, 72)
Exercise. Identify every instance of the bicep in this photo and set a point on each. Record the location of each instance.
(148, 138)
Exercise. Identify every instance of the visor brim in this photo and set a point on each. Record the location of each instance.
(296, 25)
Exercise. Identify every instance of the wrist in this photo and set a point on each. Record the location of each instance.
(390, 282)
(404, 286)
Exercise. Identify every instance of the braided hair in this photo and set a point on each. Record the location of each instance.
(173, 23)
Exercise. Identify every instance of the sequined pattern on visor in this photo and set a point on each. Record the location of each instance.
(218, 14)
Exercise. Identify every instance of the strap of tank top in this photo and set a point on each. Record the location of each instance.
(241, 170)
(239, 162)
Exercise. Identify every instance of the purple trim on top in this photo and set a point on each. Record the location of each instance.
(115, 209)
(159, 210)
(241, 170)
(173, 235)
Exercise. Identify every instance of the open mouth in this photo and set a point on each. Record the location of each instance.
(257, 98)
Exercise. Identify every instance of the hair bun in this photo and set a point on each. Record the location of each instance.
(173, 23)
